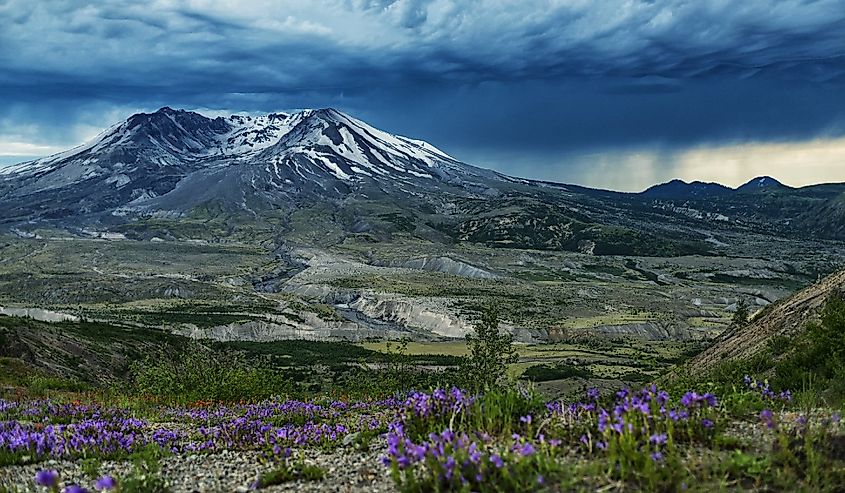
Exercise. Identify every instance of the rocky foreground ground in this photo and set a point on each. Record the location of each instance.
(227, 471)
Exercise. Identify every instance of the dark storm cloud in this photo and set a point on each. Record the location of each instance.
(473, 76)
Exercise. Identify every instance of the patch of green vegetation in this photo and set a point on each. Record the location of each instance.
(400, 221)
(325, 312)
(145, 476)
(528, 223)
(290, 472)
(817, 360)
(14, 371)
(199, 374)
(790, 284)
(40, 385)
(558, 371)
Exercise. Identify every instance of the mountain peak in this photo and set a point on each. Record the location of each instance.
(679, 189)
(320, 151)
(327, 111)
(761, 183)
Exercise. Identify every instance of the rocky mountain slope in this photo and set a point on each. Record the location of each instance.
(174, 160)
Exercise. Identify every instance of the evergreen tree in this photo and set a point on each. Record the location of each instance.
(740, 318)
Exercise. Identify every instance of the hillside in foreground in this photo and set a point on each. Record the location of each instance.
(785, 320)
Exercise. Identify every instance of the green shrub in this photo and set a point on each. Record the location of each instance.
(40, 384)
(817, 364)
(202, 374)
(289, 472)
(559, 371)
(779, 345)
(490, 353)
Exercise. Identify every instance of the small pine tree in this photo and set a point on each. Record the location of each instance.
(490, 353)
(740, 318)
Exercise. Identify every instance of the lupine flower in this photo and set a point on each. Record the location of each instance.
(105, 483)
(523, 449)
(75, 488)
(765, 391)
(46, 478)
(497, 461)
(767, 417)
(658, 439)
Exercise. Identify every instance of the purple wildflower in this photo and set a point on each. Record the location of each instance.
(105, 483)
(658, 439)
(497, 461)
(524, 449)
(46, 478)
(75, 488)
(767, 417)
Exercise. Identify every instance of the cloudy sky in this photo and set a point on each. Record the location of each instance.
(613, 93)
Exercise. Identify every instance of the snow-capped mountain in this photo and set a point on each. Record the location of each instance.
(328, 140)
(174, 159)
(324, 174)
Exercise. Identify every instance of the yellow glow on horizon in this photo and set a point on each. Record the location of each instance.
(793, 163)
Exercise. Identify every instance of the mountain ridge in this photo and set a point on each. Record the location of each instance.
(678, 188)
(268, 169)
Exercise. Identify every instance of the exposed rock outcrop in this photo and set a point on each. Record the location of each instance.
(445, 265)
